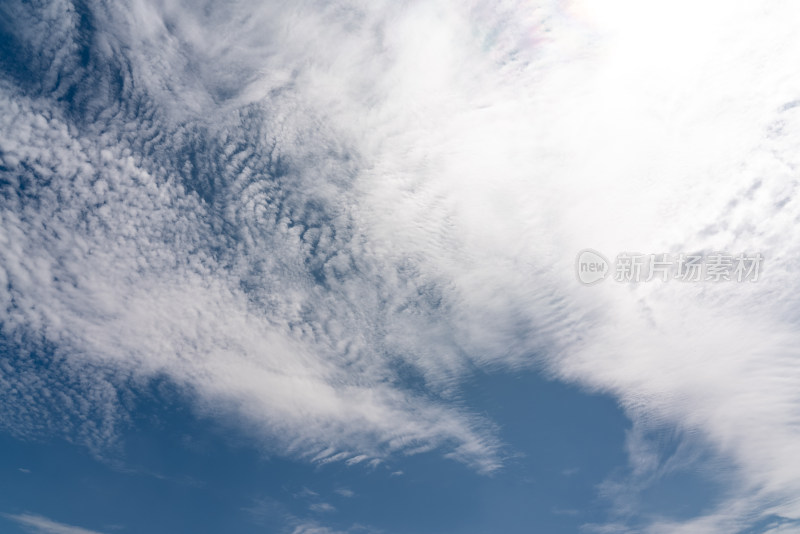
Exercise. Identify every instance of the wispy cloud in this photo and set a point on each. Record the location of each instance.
(253, 291)
(324, 239)
(312, 527)
(305, 493)
(43, 525)
(322, 507)
(271, 513)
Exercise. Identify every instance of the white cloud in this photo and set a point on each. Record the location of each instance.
(322, 507)
(270, 513)
(305, 492)
(324, 200)
(42, 525)
(116, 288)
(310, 527)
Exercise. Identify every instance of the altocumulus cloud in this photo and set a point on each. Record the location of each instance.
(289, 210)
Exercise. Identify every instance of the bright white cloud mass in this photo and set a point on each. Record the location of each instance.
(318, 218)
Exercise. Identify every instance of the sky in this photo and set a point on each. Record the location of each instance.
(315, 267)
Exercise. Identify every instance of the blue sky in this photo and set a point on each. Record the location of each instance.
(310, 267)
(196, 475)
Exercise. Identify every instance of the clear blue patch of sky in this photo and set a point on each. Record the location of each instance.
(187, 474)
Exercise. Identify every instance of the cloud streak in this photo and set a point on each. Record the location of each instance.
(42, 525)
